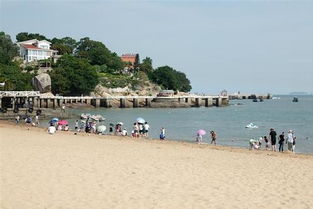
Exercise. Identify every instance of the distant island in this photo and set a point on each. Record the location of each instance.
(300, 93)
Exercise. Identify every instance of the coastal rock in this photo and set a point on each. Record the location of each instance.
(42, 83)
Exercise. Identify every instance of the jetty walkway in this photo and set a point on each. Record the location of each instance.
(13, 99)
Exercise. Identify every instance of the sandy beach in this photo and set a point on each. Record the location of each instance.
(41, 171)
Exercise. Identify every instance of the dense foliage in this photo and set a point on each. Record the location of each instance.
(24, 36)
(64, 45)
(169, 78)
(10, 73)
(8, 50)
(84, 64)
(98, 54)
(73, 76)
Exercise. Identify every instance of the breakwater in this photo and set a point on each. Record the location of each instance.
(16, 100)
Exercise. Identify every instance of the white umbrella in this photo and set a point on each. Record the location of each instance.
(120, 123)
(140, 120)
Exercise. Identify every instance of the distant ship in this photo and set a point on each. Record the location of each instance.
(295, 99)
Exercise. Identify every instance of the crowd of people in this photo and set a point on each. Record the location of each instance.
(271, 141)
(141, 129)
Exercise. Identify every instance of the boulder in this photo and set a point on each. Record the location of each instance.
(42, 83)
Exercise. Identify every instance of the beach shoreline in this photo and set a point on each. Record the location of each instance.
(64, 170)
(22, 125)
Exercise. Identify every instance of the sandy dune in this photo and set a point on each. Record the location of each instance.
(64, 171)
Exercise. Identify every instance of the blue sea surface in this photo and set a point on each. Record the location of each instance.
(228, 122)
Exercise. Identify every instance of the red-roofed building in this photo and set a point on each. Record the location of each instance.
(33, 50)
(131, 60)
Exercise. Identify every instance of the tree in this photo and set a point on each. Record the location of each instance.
(146, 65)
(169, 78)
(64, 45)
(73, 76)
(8, 50)
(98, 54)
(14, 78)
(24, 36)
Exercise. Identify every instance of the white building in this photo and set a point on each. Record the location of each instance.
(33, 50)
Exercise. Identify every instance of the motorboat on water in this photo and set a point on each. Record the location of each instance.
(275, 97)
(93, 117)
(295, 99)
(251, 125)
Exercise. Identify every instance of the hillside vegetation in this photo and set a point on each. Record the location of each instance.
(84, 65)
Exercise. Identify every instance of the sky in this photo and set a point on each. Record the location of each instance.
(250, 46)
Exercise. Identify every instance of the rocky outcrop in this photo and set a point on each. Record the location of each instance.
(42, 83)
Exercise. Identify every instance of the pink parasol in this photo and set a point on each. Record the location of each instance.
(63, 122)
(201, 132)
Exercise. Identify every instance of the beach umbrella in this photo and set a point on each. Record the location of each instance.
(55, 119)
(120, 123)
(140, 120)
(63, 122)
(101, 129)
(201, 132)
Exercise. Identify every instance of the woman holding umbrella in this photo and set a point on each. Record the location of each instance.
(200, 133)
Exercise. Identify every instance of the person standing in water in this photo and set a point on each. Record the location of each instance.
(281, 142)
(294, 142)
(273, 139)
(289, 141)
(213, 137)
(162, 134)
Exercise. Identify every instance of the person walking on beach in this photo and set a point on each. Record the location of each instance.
(199, 138)
(289, 140)
(213, 137)
(146, 129)
(267, 144)
(37, 120)
(63, 108)
(136, 130)
(76, 125)
(162, 134)
(281, 142)
(17, 119)
(294, 142)
(273, 139)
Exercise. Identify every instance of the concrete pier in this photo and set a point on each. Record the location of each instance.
(36, 100)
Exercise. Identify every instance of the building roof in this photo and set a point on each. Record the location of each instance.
(129, 55)
(30, 46)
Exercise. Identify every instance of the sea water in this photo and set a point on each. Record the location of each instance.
(228, 122)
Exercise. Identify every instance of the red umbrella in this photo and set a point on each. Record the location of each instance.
(63, 122)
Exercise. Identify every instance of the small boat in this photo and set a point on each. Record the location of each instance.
(255, 100)
(251, 125)
(295, 99)
(261, 99)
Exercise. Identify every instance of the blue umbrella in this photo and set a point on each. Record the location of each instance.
(55, 119)
(140, 120)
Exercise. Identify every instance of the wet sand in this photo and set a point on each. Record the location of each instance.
(83, 171)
